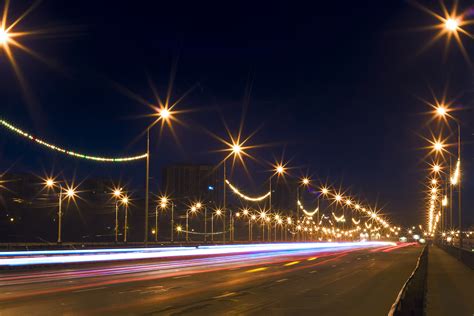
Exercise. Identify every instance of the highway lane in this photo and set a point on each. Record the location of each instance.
(338, 282)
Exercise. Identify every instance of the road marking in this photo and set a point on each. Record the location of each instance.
(182, 276)
(93, 289)
(281, 280)
(225, 295)
(291, 263)
(312, 258)
(257, 270)
(314, 271)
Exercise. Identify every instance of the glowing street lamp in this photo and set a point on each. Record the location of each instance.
(216, 213)
(70, 192)
(451, 25)
(125, 201)
(165, 115)
(194, 209)
(4, 36)
(117, 193)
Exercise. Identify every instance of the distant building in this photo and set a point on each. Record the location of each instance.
(191, 181)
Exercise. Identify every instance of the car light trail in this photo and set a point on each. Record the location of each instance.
(30, 259)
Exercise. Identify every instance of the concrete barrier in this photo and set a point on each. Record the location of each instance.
(411, 299)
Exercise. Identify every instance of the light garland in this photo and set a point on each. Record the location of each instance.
(356, 222)
(245, 197)
(305, 211)
(65, 151)
(340, 218)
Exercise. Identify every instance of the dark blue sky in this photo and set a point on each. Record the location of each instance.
(334, 85)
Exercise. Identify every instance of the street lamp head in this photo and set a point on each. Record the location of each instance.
(179, 228)
(441, 110)
(164, 113)
(117, 193)
(4, 36)
(164, 200)
(70, 193)
(324, 191)
(438, 146)
(236, 149)
(338, 197)
(451, 24)
(125, 200)
(305, 181)
(436, 168)
(198, 205)
(163, 205)
(245, 212)
(49, 183)
(218, 212)
(280, 169)
(193, 209)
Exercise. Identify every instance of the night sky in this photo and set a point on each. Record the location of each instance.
(333, 86)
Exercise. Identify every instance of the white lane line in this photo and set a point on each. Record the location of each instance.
(182, 276)
(314, 271)
(226, 295)
(281, 280)
(93, 289)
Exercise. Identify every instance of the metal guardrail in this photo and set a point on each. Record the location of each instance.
(411, 299)
(464, 255)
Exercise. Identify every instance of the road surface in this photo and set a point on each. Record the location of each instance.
(334, 282)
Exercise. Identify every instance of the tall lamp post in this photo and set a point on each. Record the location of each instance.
(165, 115)
(193, 210)
(70, 193)
(455, 179)
(117, 195)
(125, 201)
(279, 170)
(217, 213)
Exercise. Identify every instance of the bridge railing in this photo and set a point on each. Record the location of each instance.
(411, 299)
(466, 256)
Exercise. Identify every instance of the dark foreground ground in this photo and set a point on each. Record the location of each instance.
(361, 282)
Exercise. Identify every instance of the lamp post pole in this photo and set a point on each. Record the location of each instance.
(60, 213)
(224, 202)
(205, 223)
(156, 223)
(147, 182)
(116, 220)
(172, 221)
(126, 223)
(459, 186)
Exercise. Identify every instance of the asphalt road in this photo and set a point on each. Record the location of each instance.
(342, 282)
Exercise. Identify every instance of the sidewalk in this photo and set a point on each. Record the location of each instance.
(450, 288)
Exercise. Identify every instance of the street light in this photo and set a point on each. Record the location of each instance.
(70, 193)
(194, 209)
(442, 111)
(165, 115)
(125, 201)
(117, 193)
(4, 36)
(451, 24)
(217, 213)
